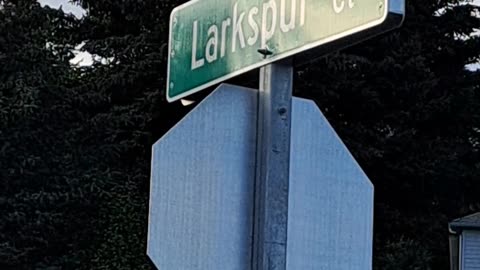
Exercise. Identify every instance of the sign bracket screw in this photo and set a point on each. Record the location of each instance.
(265, 52)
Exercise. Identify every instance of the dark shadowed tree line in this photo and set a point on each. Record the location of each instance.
(75, 141)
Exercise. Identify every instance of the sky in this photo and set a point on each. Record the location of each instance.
(81, 58)
(85, 59)
(474, 67)
(66, 6)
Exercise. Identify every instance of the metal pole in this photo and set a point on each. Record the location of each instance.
(272, 172)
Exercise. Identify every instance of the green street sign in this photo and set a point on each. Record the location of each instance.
(214, 40)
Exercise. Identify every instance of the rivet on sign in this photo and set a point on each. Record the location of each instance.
(265, 52)
(172, 85)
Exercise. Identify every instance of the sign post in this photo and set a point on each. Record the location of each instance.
(272, 166)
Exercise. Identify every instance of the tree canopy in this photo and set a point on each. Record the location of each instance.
(75, 141)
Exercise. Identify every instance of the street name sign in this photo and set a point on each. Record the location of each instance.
(214, 40)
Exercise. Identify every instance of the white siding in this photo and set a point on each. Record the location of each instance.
(471, 250)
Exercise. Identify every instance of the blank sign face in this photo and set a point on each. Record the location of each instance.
(202, 191)
(330, 219)
(201, 201)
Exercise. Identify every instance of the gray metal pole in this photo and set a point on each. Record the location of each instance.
(272, 175)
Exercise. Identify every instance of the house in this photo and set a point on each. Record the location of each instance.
(465, 243)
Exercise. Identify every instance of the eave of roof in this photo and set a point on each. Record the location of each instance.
(470, 222)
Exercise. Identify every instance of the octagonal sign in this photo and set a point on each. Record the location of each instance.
(202, 186)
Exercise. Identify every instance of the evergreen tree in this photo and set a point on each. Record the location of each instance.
(129, 39)
(45, 194)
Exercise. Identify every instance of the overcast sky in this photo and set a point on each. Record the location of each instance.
(66, 6)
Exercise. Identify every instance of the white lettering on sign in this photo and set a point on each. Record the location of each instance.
(195, 63)
(225, 24)
(291, 24)
(339, 5)
(253, 24)
(276, 17)
(237, 29)
(267, 34)
(302, 12)
(211, 51)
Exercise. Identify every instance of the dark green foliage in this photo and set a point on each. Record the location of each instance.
(401, 254)
(42, 182)
(75, 142)
(74, 148)
(131, 35)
